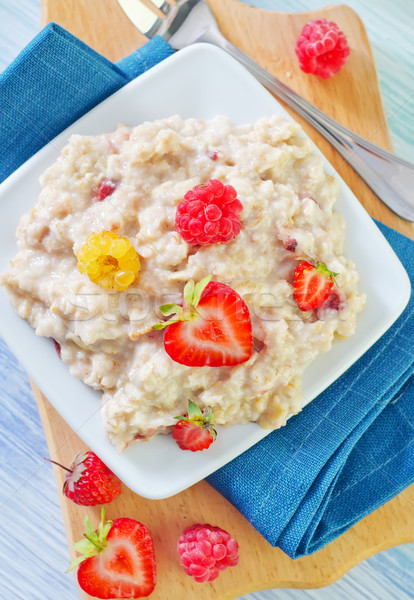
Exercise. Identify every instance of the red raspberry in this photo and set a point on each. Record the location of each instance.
(105, 189)
(57, 348)
(205, 550)
(335, 302)
(322, 48)
(213, 154)
(209, 214)
(291, 244)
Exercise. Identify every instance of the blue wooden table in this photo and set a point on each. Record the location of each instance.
(33, 552)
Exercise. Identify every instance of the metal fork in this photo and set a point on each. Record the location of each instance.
(190, 21)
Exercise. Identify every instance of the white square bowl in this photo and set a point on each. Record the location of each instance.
(200, 81)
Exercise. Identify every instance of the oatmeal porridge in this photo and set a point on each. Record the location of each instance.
(129, 183)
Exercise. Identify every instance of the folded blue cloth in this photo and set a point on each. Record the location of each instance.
(53, 82)
(348, 451)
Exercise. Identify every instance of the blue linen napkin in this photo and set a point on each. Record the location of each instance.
(348, 451)
(53, 82)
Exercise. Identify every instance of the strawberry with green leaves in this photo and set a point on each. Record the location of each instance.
(117, 560)
(312, 285)
(195, 431)
(212, 327)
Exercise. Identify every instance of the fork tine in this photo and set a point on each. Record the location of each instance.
(138, 12)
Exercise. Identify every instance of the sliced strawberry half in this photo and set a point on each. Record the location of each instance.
(312, 285)
(117, 559)
(212, 328)
(195, 431)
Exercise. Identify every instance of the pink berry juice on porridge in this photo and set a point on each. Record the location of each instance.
(229, 229)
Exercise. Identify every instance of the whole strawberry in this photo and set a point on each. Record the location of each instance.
(196, 431)
(88, 480)
(117, 560)
(205, 550)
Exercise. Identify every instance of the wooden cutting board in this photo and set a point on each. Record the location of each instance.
(353, 98)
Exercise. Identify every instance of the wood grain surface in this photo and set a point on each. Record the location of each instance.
(353, 98)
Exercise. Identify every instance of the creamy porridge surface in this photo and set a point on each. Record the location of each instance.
(106, 337)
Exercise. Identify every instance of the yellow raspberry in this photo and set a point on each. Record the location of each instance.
(109, 260)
